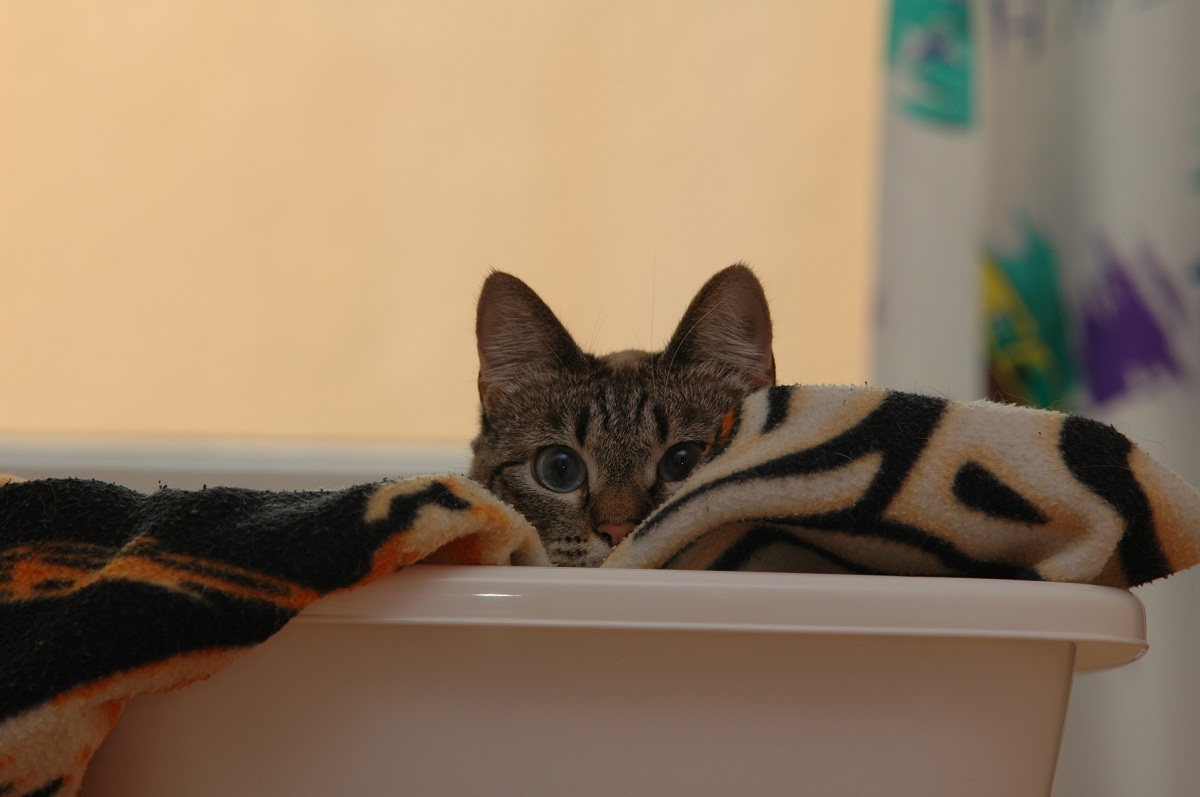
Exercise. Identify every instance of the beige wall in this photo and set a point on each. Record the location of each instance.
(271, 219)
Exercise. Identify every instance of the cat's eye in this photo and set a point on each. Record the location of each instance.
(560, 469)
(679, 461)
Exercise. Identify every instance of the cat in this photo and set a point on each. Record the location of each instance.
(584, 446)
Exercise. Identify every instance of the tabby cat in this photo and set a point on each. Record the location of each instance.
(584, 446)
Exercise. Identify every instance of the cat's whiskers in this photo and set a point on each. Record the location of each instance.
(595, 329)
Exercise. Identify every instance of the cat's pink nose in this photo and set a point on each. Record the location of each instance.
(616, 531)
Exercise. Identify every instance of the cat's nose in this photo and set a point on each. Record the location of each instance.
(616, 531)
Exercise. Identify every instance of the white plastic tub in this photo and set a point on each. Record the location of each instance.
(524, 681)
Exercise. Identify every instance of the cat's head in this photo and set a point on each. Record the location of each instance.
(585, 446)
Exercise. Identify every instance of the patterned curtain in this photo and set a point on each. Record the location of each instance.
(1040, 244)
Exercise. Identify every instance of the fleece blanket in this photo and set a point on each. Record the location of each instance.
(106, 593)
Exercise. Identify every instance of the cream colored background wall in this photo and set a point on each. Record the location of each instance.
(271, 219)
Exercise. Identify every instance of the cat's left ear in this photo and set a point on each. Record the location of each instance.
(728, 321)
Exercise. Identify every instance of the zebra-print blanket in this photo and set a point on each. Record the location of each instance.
(106, 593)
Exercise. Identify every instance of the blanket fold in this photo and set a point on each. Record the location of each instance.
(106, 593)
(847, 479)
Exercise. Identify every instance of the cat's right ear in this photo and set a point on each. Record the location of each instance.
(516, 334)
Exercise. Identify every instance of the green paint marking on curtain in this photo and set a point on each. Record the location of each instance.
(1028, 349)
(931, 59)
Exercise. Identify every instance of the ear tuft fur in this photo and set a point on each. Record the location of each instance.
(728, 321)
(515, 331)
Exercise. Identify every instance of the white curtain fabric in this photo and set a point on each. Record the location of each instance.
(1040, 242)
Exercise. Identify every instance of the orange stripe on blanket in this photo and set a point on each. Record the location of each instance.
(395, 553)
(63, 569)
(32, 578)
(492, 544)
(186, 573)
(29, 572)
(467, 550)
